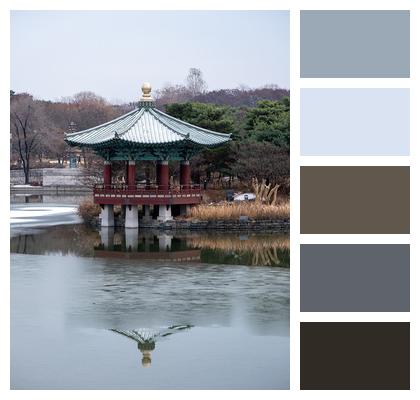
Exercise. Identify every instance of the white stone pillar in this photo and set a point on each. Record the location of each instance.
(165, 213)
(165, 242)
(132, 216)
(107, 215)
(131, 239)
(107, 237)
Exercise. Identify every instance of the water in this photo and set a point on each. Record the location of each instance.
(196, 311)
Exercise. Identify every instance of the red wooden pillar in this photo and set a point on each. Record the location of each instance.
(107, 172)
(185, 178)
(131, 173)
(163, 174)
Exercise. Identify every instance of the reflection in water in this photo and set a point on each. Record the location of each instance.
(66, 306)
(261, 249)
(146, 339)
(153, 245)
(70, 284)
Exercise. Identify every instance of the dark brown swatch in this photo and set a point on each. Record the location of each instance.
(354, 199)
(355, 355)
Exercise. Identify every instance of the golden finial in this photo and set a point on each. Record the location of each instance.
(146, 88)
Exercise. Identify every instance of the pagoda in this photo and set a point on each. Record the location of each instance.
(146, 134)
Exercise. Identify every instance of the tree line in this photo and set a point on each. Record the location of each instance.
(259, 120)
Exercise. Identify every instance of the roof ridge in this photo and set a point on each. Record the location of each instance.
(133, 122)
(69, 135)
(184, 135)
(191, 125)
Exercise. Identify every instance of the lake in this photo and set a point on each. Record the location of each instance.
(121, 309)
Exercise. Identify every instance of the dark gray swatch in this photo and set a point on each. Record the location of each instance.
(338, 199)
(355, 356)
(355, 277)
(355, 44)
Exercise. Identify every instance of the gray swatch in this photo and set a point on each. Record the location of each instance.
(351, 122)
(355, 278)
(355, 44)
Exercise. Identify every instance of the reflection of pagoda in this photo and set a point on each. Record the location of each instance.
(146, 339)
(149, 246)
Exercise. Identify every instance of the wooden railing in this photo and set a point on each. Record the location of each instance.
(147, 189)
(147, 194)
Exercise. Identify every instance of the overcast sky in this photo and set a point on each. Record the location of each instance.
(60, 53)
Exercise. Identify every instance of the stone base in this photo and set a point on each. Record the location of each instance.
(107, 215)
(165, 213)
(132, 216)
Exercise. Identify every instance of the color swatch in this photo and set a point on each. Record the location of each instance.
(355, 278)
(355, 355)
(355, 199)
(355, 44)
(352, 122)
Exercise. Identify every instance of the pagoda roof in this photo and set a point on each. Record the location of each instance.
(145, 126)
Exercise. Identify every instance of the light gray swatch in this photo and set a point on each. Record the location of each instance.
(355, 44)
(355, 122)
(355, 278)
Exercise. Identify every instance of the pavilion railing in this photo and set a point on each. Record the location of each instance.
(147, 189)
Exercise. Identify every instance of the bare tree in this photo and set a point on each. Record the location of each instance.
(27, 125)
(195, 82)
(86, 110)
(172, 94)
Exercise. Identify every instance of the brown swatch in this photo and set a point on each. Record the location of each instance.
(355, 199)
(355, 355)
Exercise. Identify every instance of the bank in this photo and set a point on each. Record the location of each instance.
(243, 224)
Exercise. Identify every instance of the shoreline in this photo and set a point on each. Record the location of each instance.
(276, 225)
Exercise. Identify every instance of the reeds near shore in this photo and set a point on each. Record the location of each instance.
(88, 210)
(234, 210)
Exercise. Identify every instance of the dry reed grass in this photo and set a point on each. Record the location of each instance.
(232, 211)
(88, 210)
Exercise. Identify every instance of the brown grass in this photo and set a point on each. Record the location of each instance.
(88, 210)
(232, 211)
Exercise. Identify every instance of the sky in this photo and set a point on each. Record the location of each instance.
(56, 54)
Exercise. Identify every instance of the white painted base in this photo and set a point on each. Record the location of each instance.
(107, 237)
(131, 216)
(107, 215)
(165, 213)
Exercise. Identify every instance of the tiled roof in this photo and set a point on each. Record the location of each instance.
(145, 125)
